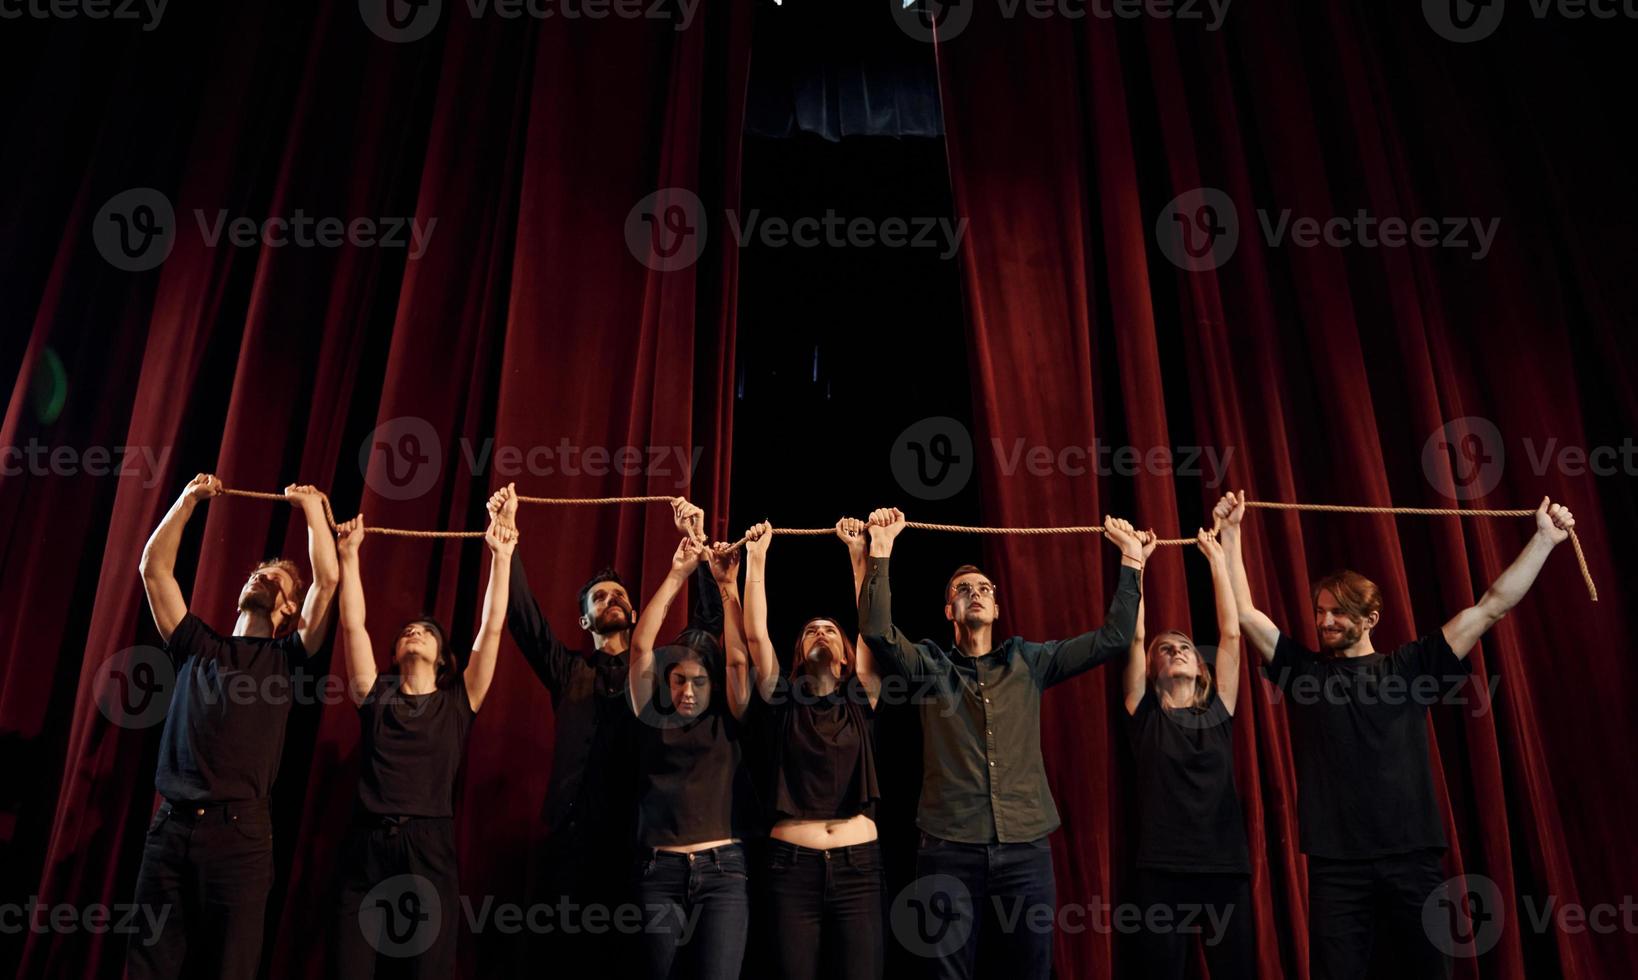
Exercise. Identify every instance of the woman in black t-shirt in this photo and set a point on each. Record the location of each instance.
(824, 865)
(1193, 868)
(690, 698)
(400, 891)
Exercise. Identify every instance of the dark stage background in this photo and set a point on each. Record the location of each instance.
(794, 371)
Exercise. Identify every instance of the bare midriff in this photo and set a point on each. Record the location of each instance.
(821, 835)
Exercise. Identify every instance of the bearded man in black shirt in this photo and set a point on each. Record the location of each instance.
(207, 861)
(1368, 818)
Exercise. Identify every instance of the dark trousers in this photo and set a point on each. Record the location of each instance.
(1178, 908)
(1356, 908)
(696, 912)
(586, 879)
(207, 870)
(981, 909)
(826, 910)
(400, 898)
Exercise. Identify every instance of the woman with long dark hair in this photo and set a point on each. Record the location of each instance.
(399, 885)
(1192, 859)
(690, 699)
(824, 864)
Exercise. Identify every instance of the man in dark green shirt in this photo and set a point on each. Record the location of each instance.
(986, 809)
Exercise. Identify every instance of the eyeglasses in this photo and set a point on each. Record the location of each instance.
(967, 591)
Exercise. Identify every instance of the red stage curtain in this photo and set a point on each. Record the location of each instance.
(1325, 372)
(528, 319)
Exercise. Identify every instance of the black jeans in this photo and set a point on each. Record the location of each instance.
(1179, 907)
(1350, 902)
(981, 909)
(826, 910)
(206, 871)
(400, 898)
(696, 912)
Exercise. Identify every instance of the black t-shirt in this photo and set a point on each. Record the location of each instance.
(1189, 812)
(692, 788)
(1359, 733)
(412, 747)
(823, 748)
(224, 732)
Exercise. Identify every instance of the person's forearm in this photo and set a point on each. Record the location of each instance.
(321, 546)
(648, 626)
(360, 662)
(480, 671)
(159, 554)
(1228, 610)
(1511, 585)
(876, 599)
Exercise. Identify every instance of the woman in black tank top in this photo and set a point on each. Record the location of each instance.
(824, 865)
(400, 890)
(1193, 868)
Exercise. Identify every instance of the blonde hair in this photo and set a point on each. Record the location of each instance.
(1202, 676)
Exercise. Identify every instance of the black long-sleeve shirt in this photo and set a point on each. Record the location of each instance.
(594, 769)
(983, 780)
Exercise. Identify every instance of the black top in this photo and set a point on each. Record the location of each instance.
(594, 759)
(1189, 814)
(824, 758)
(224, 731)
(1359, 732)
(982, 776)
(690, 788)
(412, 748)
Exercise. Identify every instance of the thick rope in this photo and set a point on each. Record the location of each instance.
(1575, 542)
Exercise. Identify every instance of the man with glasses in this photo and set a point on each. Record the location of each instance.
(984, 869)
(207, 862)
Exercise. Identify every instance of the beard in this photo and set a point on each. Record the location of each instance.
(258, 600)
(614, 619)
(1341, 641)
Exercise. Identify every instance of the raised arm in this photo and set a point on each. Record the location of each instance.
(640, 675)
(355, 639)
(876, 600)
(852, 532)
(1228, 619)
(321, 556)
(158, 566)
(480, 668)
(1135, 679)
(542, 650)
(1553, 523)
(736, 661)
(1254, 624)
(1058, 661)
(764, 661)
